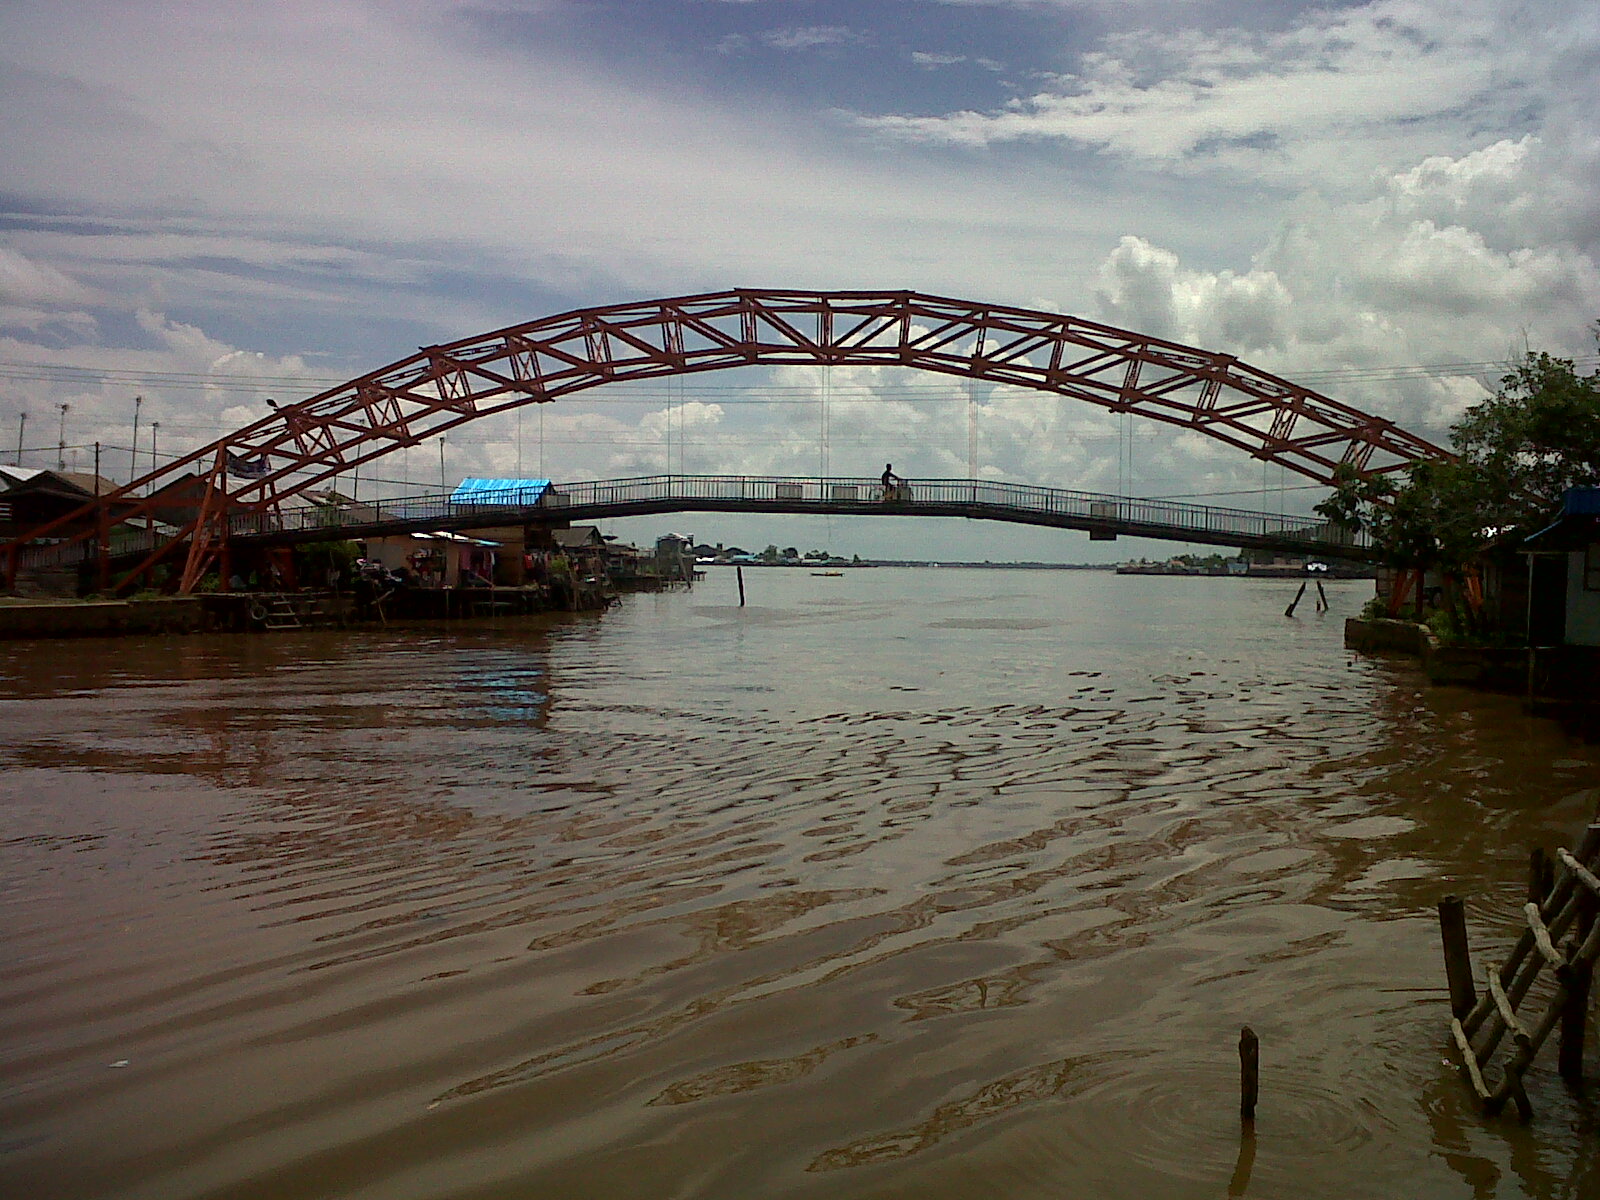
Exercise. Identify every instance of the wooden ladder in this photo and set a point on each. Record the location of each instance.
(1570, 901)
(281, 613)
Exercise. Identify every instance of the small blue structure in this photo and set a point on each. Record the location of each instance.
(1564, 573)
(503, 493)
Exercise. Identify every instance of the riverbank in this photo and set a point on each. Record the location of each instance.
(20, 619)
(244, 612)
(1555, 681)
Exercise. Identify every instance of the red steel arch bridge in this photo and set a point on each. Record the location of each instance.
(190, 507)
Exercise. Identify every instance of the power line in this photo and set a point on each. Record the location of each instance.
(1296, 487)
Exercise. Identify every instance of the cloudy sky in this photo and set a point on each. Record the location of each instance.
(208, 204)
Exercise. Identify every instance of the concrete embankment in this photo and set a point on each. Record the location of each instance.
(257, 611)
(1553, 680)
(89, 618)
(1492, 668)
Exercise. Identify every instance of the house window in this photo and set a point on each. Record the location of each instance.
(1591, 568)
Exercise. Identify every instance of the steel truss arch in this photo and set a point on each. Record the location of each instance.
(302, 445)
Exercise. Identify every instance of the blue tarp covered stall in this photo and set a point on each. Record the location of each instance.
(491, 498)
(519, 493)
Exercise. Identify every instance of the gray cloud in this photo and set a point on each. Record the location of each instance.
(1392, 183)
(809, 37)
(1336, 95)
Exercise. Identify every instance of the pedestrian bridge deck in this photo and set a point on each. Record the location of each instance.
(1094, 512)
(1098, 513)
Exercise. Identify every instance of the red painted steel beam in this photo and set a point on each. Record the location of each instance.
(442, 387)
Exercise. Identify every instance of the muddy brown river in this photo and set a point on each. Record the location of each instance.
(942, 884)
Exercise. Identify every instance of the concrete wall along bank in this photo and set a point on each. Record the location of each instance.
(1493, 668)
(175, 614)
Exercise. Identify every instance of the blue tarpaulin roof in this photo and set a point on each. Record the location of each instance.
(1577, 525)
(1581, 502)
(499, 491)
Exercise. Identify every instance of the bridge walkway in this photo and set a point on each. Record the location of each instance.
(1096, 513)
(1102, 515)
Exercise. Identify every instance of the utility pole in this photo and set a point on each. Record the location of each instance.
(441, 463)
(22, 423)
(155, 427)
(133, 453)
(102, 536)
(61, 441)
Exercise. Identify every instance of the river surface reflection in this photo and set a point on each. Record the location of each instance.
(937, 884)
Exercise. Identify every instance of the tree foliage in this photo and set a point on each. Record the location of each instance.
(1518, 451)
(1535, 438)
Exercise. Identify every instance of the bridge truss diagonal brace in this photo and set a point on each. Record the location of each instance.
(443, 386)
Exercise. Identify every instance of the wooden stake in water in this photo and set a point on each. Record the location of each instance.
(739, 571)
(1249, 1073)
(1579, 982)
(1457, 957)
(1289, 612)
(1541, 875)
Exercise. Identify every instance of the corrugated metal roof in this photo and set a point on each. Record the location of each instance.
(83, 483)
(499, 491)
(445, 535)
(578, 537)
(20, 474)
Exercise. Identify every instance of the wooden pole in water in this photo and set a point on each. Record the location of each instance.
(1569, 1060)
(1457, 956)
(1541, 875)
(739, 571)
(1289, 612)
(1249, 1073)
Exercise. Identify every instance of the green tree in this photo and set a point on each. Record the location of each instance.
(1518, 451)
(770, 554)
(314, 561)
(1534, 439)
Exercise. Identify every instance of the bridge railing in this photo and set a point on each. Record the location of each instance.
(1099, 506)
(64, 554)
(971, 497)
